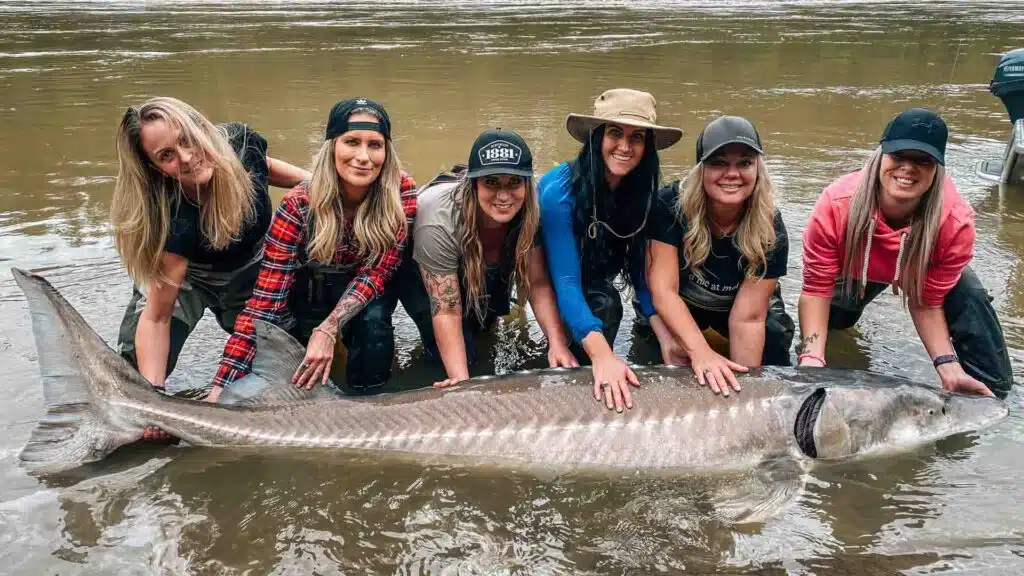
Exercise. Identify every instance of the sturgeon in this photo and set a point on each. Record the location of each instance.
(96, 402)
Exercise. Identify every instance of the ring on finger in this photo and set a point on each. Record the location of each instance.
(605, 385)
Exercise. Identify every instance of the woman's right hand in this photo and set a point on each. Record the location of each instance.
(213, 395)
(612, 379)
(447, 382)
(714, 370)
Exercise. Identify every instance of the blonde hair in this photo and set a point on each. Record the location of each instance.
(924, 229)
(140, 210)
(379, 218)
(520, 236)
(755, 235)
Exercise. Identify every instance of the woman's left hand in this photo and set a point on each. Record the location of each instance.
(672, 353)
(316, 366)
(559, 355)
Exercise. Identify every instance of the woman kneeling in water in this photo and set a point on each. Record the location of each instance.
(333, 244)
(483, 228)
(717, 249)
(593, 211)
(900, 221)
(189, 212)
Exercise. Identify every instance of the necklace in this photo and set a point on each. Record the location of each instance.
(722, 230)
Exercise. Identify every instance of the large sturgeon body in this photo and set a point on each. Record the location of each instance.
(97, 402)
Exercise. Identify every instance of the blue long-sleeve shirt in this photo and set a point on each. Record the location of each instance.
(560, 248)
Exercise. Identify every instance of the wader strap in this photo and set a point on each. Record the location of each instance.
(445, 177)
(204, 274)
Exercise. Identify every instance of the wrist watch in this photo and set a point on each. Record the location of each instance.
(944, 359)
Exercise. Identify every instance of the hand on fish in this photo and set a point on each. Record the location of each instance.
(316, 366)
(447, 382)
(214, 394)
(152, 433)
(672, 353)
(560, 356)
(612, 378)
(714, 370)
(954, 379)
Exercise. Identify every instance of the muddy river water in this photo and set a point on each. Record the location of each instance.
(820, 79)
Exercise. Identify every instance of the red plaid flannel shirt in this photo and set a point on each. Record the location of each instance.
(281, 258)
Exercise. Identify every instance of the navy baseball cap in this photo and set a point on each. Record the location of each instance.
(338, 124)
(499, 151)
(916, 129)
(726, 130)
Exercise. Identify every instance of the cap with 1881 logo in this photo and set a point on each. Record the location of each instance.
(500, 151)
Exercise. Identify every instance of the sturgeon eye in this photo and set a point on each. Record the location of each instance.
(931, 412)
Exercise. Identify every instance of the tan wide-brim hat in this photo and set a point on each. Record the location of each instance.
(623, 106)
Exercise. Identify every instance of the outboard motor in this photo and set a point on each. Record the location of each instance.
(1008, 85)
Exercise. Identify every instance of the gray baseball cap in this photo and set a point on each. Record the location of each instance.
(726, 130)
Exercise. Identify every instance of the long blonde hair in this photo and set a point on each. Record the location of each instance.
(379, 218)
(519, 239)
(924, 229)
(755, 235)
(140, 210)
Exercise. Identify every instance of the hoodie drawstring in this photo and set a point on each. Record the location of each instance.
(899, 260)
(867, 255)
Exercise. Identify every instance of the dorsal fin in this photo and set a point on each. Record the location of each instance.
(278, 354)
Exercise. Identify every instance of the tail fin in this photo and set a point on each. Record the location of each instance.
(75, 429)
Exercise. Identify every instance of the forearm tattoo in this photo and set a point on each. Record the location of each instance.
(805, 342)
(443, 290)
(347, 307)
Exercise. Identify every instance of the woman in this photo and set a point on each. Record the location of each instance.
(900, 221)
(189, 212)
(333, 244)
(480, 226)
(717, 249)
(593, 210)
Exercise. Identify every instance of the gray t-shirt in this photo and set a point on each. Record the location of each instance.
(435, 247)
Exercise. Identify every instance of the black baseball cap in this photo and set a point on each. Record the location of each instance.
(916, 129)
(726, 130)
(337, 120)
(499, 151)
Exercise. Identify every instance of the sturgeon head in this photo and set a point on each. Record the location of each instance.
(844, 422)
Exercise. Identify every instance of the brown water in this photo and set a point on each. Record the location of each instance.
(820, 79)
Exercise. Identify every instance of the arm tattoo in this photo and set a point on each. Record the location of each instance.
(805, 342)
(347, 307)
(443, 290)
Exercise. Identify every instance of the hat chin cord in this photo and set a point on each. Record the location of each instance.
(594, 221)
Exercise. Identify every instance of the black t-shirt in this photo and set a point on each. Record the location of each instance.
(185, 235)
(725, 268)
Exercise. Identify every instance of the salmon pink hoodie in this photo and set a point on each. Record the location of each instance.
(824, 242)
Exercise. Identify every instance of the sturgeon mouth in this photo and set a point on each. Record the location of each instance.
(806, 418)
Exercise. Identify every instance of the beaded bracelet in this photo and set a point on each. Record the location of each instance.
(326, 333)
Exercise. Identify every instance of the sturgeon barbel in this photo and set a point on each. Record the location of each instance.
(96, 402)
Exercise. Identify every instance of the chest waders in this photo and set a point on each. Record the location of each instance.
(369, 336)
(973, 326)
(224, 293)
